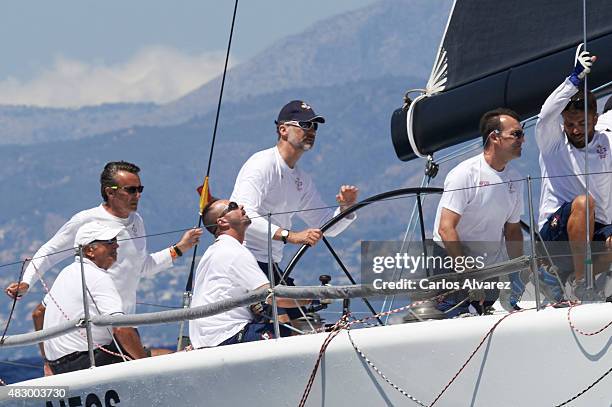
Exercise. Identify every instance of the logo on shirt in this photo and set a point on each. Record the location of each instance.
(511, 187)
(299, 185)
(134, 228)
(483, 183)
(555, 221)
(602, 151)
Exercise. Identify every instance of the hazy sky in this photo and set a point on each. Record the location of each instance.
(79, 52)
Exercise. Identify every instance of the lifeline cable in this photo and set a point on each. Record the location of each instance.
(407, 196)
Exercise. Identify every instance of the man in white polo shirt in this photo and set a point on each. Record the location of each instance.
(480, 209)
(64, 302)
(560, 135)
(271, 181)
(226, 270)
(121, 190)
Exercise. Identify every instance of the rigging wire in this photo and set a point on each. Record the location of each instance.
(407, 196)
(10, 316)
(588, 263)
(205, 195)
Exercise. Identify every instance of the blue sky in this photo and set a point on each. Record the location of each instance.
(78, 52)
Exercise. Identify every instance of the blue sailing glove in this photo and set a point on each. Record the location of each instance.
(582, 66)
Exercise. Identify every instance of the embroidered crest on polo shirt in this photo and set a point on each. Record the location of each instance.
(555, 221)
(299, 185)
(306, 106)
(602, 151)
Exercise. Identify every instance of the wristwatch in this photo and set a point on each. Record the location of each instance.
(284, 236)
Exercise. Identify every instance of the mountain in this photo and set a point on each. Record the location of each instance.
(354, 69)
(388, 38)
(392, 37)
(44, 185)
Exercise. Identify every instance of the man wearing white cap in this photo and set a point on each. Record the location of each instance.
(64, 302)
(121, 190)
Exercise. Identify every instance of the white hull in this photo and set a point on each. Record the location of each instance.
(532, 359)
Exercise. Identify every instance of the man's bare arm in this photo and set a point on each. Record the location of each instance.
(130, 341)
(38, 317)
(448, 232)
(514, 239)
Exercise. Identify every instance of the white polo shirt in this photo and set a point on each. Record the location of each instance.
(133, 260)
(266, 184)
(486, 199)
(227, 270)
(67, 292)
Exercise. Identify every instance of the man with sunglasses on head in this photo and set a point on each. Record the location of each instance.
(64, 301)
(121, 189)
(226, 270)
(561, 138)
(480, 209)
(272, 182)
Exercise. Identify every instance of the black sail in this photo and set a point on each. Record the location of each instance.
(510, 53)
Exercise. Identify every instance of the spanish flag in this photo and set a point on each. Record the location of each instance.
(204, 192)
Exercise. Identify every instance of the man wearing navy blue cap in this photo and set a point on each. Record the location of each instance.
(271, 182)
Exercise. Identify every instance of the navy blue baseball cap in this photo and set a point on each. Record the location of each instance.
(299, 111)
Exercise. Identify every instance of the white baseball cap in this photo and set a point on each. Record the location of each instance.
(92, 231)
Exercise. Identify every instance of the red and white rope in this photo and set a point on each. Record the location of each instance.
(581, 332)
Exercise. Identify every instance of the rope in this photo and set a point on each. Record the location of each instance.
(581, 332)
(381, 374)
(338, 326)
(10, 317)
(586, 389)
(472, 355)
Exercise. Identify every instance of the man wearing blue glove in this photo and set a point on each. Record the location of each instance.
(560, 135)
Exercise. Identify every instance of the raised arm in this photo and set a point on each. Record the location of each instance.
(548, 132)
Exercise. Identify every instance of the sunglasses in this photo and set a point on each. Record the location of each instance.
(517, 134)
(302, 125)
(130, 189)
(232, 206)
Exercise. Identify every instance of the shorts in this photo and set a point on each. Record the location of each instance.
(555, 230)
(292, 313)
(255, 332)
